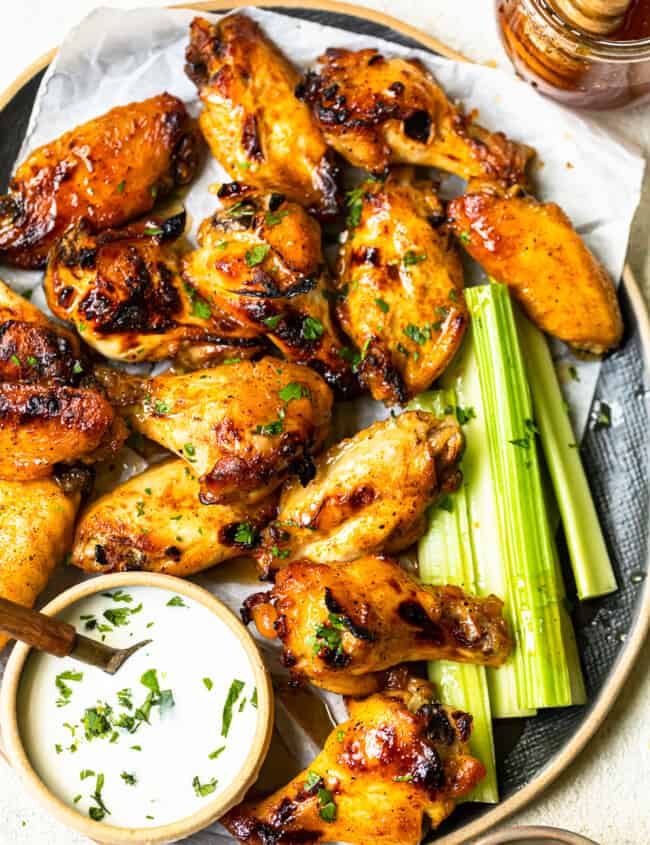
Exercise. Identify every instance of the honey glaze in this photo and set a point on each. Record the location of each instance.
(574, 66)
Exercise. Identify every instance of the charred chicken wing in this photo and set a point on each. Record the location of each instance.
(400, 758)
(156, 522)
(241, 427)
(533, 248)
(123, 290)
(107, 171)
(261, 262)
(341, 625)
(369, 493)
(251, 119)
(36, 524)
(377, 111)
(400, 287)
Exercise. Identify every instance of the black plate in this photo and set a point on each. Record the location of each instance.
(616, 461)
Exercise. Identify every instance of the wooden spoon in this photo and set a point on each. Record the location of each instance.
(59, 638)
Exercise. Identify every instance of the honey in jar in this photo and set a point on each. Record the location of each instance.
(585, 53)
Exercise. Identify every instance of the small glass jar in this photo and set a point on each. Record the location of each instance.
(570, 65)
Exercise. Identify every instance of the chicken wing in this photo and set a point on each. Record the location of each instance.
(32, 348)
(242, 427)
(35, 533)
(400, 758)
(533, 248)
(124, 292)
(155, 522)
(342, 625)
(108, 171)
(400, 294)
(369, 493)
(377, 111)
(252, 121)
(43, 425)
(261, 262)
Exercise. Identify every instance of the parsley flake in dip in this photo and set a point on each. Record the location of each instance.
(164, 736)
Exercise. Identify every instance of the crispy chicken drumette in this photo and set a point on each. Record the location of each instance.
(255, 126)
(260, 261)
(400, 283)
(368, 495)
(533, 248)
(400, 758)
(123, 290)
(241, 427)
(107, 171)
(377, 111)
(341, 625)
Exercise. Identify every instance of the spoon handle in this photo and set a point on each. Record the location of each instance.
(36, 629)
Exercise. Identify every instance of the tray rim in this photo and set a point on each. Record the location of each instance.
(640, 630)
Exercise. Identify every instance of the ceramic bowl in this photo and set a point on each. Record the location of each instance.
(209, 812)
(534, 836)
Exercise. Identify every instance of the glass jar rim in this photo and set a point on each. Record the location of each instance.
(599, 48)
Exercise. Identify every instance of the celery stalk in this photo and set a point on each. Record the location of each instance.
(589, 558)
(534, 591)
(446, 556)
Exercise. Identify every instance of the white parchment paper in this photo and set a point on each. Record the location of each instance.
(115, 57)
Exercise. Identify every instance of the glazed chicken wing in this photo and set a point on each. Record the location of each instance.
(123, 290)
(242, 427)
(533, 248)
(342, 625)
(400, 287)
(369, 493)
(400, 758)
(35, 533)
(377, 111)
(156, 522)
(251, 119)
(261, 262)
(107, 171)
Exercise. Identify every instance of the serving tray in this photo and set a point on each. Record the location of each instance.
(531, 753)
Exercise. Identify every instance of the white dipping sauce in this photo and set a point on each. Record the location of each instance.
(196, 656)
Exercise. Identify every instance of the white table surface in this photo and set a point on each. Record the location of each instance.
(605, 794)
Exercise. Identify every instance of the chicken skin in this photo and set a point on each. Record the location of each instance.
(241, 427)
(253, 123)
(123, 290)
(401, 757)
(156, 522)
(400, 287)
(107, 171)
(368, 495)
(36, 524)
(376, 112)
(533, 248)
(342, 625)
(261, 262)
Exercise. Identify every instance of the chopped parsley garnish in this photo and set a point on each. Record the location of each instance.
(176, 601)
(208, 683)
(280, 555)
(328, 635)
(201, 309)
(118, 595)
(139, 508)
(64, 690)
(340, 735)
(234, 692)
(312, 780)
(254, 698)
(86, 773)
(128, 778)
(411, 258)
(382, 305)
(76, 799)
(270, 429)
(354, 202)
(256, 254)
(136, 748)
(125, 698)
(403, 778)
(214, 754)
(153, 230)
(231, 360)
(161, 407)
(464, 237)
(15, 360)
(31, 361)
(293, 390)
(245, 534)
(101, 810)
(82, 327)
(190, 450)
(464, 415)
(312, 328)
(327, 807)
(119, 616)
(203, 789)
(97, 721)
(58, 748)
(272, 218)
(242, 704)
(120, 186)
(242, 208)
(244, 165)
(418, 335)
(272, 322)
(446, 503)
